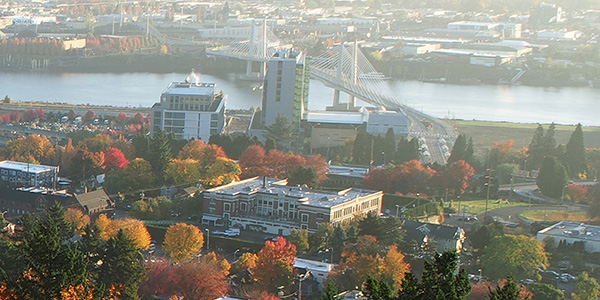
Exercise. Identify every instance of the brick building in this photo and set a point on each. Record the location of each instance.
(269, 205)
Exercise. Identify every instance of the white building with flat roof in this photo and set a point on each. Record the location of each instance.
(572, 232)
(27, 175)
(190, 110)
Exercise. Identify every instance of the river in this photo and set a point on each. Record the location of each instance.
(525, 104)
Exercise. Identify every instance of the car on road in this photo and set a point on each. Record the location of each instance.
(231, 232)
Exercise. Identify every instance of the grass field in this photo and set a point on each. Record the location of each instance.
(486, 133)
(477, 207)
(554, 215)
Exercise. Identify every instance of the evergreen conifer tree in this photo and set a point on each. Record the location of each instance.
(575, 153)
(536, 148)
(122, 267)
(458, 150)
(552, 177)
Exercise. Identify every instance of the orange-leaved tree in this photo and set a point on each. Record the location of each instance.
(78, 220)
(274, 265)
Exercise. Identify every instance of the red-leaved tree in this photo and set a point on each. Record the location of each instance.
(275, 265)
(114, 159)
(251, 162)
(122, 117)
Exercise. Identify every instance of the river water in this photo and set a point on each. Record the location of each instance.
(480, 102)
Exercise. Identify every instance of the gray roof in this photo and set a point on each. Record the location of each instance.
(96, 200)
(418, 230)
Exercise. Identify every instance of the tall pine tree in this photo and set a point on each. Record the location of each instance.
(536, 148)
(160, 154)
(52, 262)
(575, 153)
(458, 150)
(122, 267)
(552, 177)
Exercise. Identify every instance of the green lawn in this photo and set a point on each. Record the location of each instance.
(554, 215)
(477, 207)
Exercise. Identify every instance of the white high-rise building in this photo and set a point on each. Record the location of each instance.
(190, 110)
(286, 87)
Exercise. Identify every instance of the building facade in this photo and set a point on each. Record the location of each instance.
(28, 175)
(286, 87)
(269, 205)
(190, 110)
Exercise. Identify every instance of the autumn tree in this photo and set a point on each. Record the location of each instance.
(114, 159)
(32, 148)
(99, 143)
(251, 162)
(274, 265)
(457, 178)
(134, 229)
(394, 267)
(200, 281)
(77, 219)
(67, 155)
(182, 242)
(513, 255)
(246, 261)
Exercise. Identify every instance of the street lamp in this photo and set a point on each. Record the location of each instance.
(397, 208)
(562, 197)
(301, 278)
(383, 153)
(234, 252)
(207, 239)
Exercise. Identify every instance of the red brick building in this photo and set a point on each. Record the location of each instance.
(269, 205)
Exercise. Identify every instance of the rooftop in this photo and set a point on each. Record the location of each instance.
(188, 88)
(303, 194)
(25, 167)
(573, 230)
(336, 117)
(313, 265)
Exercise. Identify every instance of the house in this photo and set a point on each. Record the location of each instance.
(93, 203)
(444, 238)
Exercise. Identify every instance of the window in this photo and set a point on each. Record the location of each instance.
(211, 210)
(304, 218)
(226, 207)
(243, 206)
(304, 226)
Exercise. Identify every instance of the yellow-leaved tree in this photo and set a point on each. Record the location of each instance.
(78, 220)
(133, 228)
(183, 242)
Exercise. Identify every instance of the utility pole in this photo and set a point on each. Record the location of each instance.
(487, 198)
